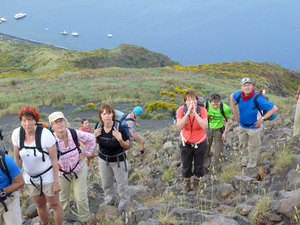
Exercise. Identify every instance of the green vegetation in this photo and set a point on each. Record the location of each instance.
(44, 75)
(261, 211)
(282, 160)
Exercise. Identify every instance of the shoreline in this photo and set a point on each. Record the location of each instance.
(11, 38)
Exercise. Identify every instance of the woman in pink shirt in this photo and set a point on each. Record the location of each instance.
(73, 169)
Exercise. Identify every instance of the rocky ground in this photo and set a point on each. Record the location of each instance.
(264, 195)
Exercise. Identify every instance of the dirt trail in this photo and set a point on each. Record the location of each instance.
(9, 122)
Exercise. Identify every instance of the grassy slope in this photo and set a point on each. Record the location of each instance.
(32, 75)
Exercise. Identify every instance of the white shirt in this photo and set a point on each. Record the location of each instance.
(34, 165)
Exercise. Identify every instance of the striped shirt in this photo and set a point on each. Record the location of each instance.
(69, 160)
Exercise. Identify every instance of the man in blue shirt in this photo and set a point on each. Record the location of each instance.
(10, 211)
(250, 120)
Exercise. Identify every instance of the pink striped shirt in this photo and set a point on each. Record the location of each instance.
(69, 160)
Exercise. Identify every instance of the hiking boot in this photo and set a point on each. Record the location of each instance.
(186, 186)
(196, 184)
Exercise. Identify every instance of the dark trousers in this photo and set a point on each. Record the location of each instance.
(190, 154)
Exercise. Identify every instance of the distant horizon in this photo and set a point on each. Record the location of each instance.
(191, 33)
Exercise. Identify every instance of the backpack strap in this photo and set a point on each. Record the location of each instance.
(256, 104)
(238, 98)
(222, 110)
(186, 109)
(38, 137)
(22, 138)
(3, 165)
(74, 137)
(207, 104)
(98, 125)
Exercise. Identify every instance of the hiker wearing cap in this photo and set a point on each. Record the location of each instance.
(192, 122)
(250, 120)
(113, 165)
(297, 115)
(131, 122)
(39, 161)
(73, 167)
(217, 112)
(11, 180)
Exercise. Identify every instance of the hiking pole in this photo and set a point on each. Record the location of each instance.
(3, 146)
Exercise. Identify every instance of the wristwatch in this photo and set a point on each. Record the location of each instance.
(2, 193)
(263, 118)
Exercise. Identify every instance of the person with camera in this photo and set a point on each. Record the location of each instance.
(192, 122)
(11, 180)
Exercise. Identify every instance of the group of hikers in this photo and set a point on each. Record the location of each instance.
(53, 162)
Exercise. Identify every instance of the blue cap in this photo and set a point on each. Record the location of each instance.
(137, 110)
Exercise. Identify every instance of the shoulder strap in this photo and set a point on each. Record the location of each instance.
(186, 109)
(222, 111)
(3, 165)
(238, 98)
(38, 137)
(74, 136)
(207, 104)
(256, 104)
(22, 138)
(128, 119)
(117, 125)
(98, 125)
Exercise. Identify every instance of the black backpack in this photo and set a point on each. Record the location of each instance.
(221, 108)
(3, 165)
(38, 135)
(185, 111)
(262, 112)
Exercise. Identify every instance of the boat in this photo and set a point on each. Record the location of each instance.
(74, 34)
(2, 19)
(109, 35)
(20, 15)
(64, 32)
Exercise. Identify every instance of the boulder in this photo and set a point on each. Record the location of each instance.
(293, 178)
(221, 221)
(140, 193)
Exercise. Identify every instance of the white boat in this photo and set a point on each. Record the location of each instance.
(64, 32)
(2, 19)
(74, 34)
(20, 15)
(109, 35)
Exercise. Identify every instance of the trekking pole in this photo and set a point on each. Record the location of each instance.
(3, 146)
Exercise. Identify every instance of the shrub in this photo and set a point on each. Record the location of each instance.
(171, 94)
(282, 159)
(146, 116)
(163, 93)
(261, 211)
(155, 106)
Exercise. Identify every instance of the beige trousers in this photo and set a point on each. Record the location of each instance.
(249, 144)
(80, 193)
(13, 215)
(297, 119)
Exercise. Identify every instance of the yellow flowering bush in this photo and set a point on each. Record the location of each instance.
(90, 105)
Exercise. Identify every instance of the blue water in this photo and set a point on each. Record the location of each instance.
(188, 31)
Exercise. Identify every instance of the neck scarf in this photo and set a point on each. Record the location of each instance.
(246, 98)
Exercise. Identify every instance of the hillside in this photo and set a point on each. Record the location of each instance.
(52, 79)
(16, 58)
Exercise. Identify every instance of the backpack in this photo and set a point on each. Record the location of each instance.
(185, 111)
(38, 135)
(120, 119)
(262, 112)
(221, 108)
(3, 165)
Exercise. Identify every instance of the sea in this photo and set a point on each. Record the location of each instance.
(190, 32)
